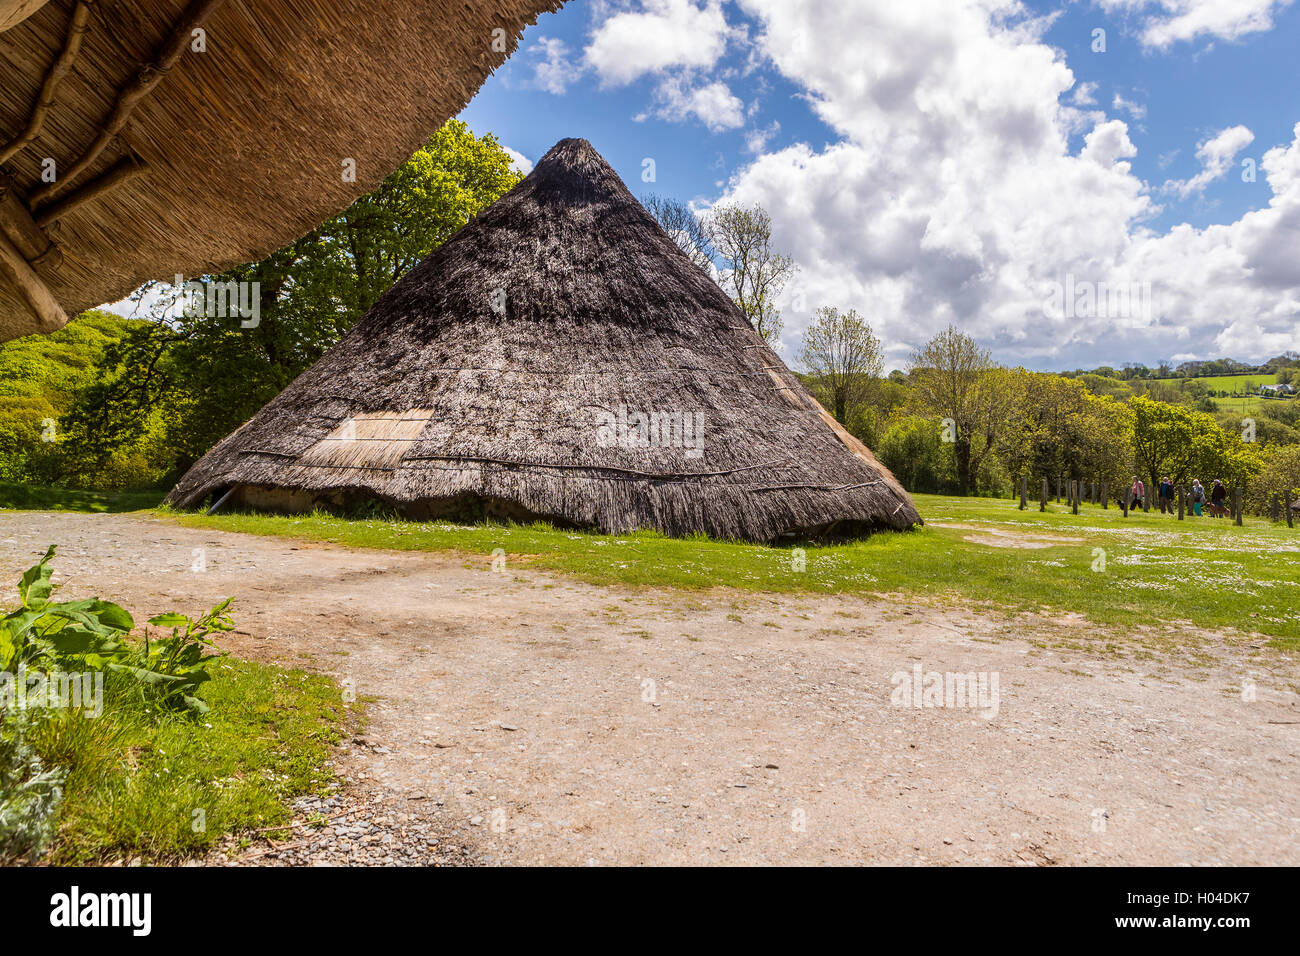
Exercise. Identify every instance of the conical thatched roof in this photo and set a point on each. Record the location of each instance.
(172, 159)
(496, 379)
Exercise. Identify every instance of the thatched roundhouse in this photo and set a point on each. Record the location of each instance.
(560, 358)
(144, 138)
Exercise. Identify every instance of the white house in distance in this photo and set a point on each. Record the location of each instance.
(1276, 391)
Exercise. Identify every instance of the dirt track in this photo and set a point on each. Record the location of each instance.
(535, 719)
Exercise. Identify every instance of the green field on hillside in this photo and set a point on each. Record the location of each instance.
(1236, 383)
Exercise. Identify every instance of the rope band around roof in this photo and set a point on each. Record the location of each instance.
(648, 475)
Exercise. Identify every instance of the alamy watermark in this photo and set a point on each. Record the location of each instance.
(222, 300)
(622, 428)
(1081, 299)
(976, 690)
(56, 690)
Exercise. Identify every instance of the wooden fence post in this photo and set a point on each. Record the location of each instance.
(1074, 488)
(1105, 494)
(1286, 506)
(1236, 504)
(1123, 503)
(1042, 503)
(1024, 487)
(1181, 501)
(1273, 514)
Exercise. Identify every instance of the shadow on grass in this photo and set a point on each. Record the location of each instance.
(38, 498)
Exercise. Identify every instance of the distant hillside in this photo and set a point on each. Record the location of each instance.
(40, 374)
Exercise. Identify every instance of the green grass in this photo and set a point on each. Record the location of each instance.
(1201, 572)
(38, 498)
(1244, 404)
(165, 787)
(1251, 405)
(1233, 383)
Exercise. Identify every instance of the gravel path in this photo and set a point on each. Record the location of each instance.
(522, 717)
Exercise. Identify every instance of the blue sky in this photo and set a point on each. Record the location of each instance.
(960, 160)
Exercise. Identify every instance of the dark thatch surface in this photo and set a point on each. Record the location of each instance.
(439, 404)
(242, 146)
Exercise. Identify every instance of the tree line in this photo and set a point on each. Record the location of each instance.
(957, 422)
(112, 403)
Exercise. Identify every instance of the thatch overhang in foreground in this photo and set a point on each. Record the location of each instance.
(497, 377)
(173, 161)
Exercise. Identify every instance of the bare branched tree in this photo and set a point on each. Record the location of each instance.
(685, 228)
(751, 272)
(843, 355)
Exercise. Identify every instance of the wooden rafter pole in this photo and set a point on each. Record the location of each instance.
(77, 28)
(129, 97)
(44, 305)
(124, 169)
(17, 224)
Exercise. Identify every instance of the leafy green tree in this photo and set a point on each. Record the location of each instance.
(843, 355)
(951, 382)
(1057, 428)
(883, 398)
(1279, 478)
(1175, 440)
(40, 376)
(184, 380)
(911, 448)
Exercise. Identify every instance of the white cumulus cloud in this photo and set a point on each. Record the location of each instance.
(555, 70)
(518, 160)
(953, 195)
(660, 35)
(1217, 155)
(713, 104)
(1166, 22)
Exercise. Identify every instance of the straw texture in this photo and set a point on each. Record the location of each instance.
(242, 145)
(560, 358)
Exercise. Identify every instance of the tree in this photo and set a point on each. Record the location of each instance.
(40, 376)
(911, 449)
(843, 356)
(1055, 427)
(1185, 444)
(1280, 479)
(684, 227)
(341, 269)
(186, 380)
(948, 374)
(752, 273)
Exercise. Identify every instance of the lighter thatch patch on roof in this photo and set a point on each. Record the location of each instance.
(375, 440)
(605, 323)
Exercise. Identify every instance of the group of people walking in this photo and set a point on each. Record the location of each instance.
(1216, 502)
